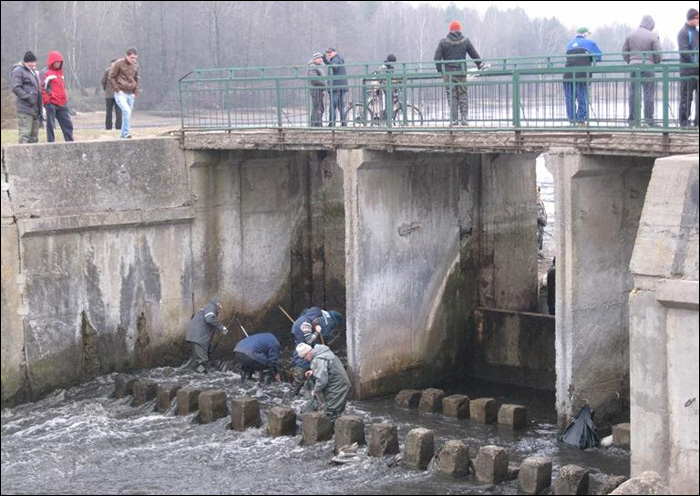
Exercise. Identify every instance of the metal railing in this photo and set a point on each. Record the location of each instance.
(528, 93)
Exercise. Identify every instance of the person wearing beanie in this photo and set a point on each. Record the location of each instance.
(56, 98)
(313, 326)
(688, 41)
(576, 83)
(26, 86)
(317, 86)
(642, 39)
(331, 382)
(454, 49)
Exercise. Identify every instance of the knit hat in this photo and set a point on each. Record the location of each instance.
(29, 57)
(583, 31)
(692, 14)
(317, 55)
(455, 26)
(303, 349)
(390, 58)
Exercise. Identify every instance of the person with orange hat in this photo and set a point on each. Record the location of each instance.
(454, 49)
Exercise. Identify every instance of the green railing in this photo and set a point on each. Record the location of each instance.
(529, 93)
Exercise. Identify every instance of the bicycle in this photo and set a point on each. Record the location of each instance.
(373, 112)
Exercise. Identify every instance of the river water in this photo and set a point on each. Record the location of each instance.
(82, 441)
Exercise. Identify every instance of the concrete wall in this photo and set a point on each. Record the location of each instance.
(598, 202)
(109, 247)
(664, 328)
(514, 348)
(424, 235)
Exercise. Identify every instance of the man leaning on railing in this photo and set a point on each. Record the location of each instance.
(576, 83)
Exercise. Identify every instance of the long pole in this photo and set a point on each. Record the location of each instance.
(292, 321)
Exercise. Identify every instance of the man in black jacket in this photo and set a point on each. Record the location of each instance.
(338, 85)
(454, 49)
(688, 40)
(202, 327)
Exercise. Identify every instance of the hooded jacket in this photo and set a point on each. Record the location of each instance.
(204, 323)
(263, 347)
(455, 47)
(642, 39)
(53, 82)
(303, 328)
(330, 377)
(27, 88)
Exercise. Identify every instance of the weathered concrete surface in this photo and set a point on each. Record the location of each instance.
(281, 421)
(456, 406)
(515, 348)
(491, 465)
(408, 398)
(383, 440)
(315, 428)
(212, 406)
(348, 429)
(245, 413)
(410, 298)
(453, 459)
(572, 479)
(535, 475)
(187, 400)
(513, 416)
(625, 144)
(419, 448)
(621, 435)
(431, 400)
(648, 482)
(664, 328)
(598, 202)
(165, 395)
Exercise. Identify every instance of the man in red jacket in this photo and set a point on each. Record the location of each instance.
(56, 98)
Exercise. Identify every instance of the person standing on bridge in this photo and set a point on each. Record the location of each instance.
(203, 325)
(313, 326)
(580, 52)
(259, 352)
(56, 98)
(338, 85)
(27, 88)
(636, 50)
(317, 87)
(688, 41)
(331, 382)
(454, 49)
(124, 77)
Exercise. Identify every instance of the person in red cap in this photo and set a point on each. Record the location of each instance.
(454, 49)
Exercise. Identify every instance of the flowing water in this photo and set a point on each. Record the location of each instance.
(82, 441)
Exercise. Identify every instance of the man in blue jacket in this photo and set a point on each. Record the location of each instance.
(580, 52)
(259, 352)
(314, 326)
(202, 328)
(338, 85)
(690, 75)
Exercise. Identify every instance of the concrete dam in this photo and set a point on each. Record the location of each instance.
(426, 241)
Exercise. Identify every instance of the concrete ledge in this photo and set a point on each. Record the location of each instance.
(679, 294)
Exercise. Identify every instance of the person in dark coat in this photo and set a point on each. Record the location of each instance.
(642, 39)
(317, 86)
(453, 49)
(313, 326)
(202, 328)
(110, 102)
(338, 87)
(259, 352)
(551, 287)
(331, 382)
(576, 83)
(688, 41)
(26, 86)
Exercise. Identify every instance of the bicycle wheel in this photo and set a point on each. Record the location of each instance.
(359, 115)
(413, 116)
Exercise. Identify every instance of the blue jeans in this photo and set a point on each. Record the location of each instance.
(126, 103)
(62, 115)
(574, 92)
(337, 102)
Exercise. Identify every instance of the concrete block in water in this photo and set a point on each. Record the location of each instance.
(491, 466)
(408, 398)
(164, 396)
(572, 479)
(535, 475)
(348, 430)
(245, 413)
(281, 421)
(124, 386)
(383, 440)
(605, 484)
(453, 459)
(621, 435)
(419, 449)
(212, 405)
(431, 400)
(483, 410)
(648, 482)
(315, 428)
(513, 416)
(144, 391)
(187, 400)
(456, 406)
